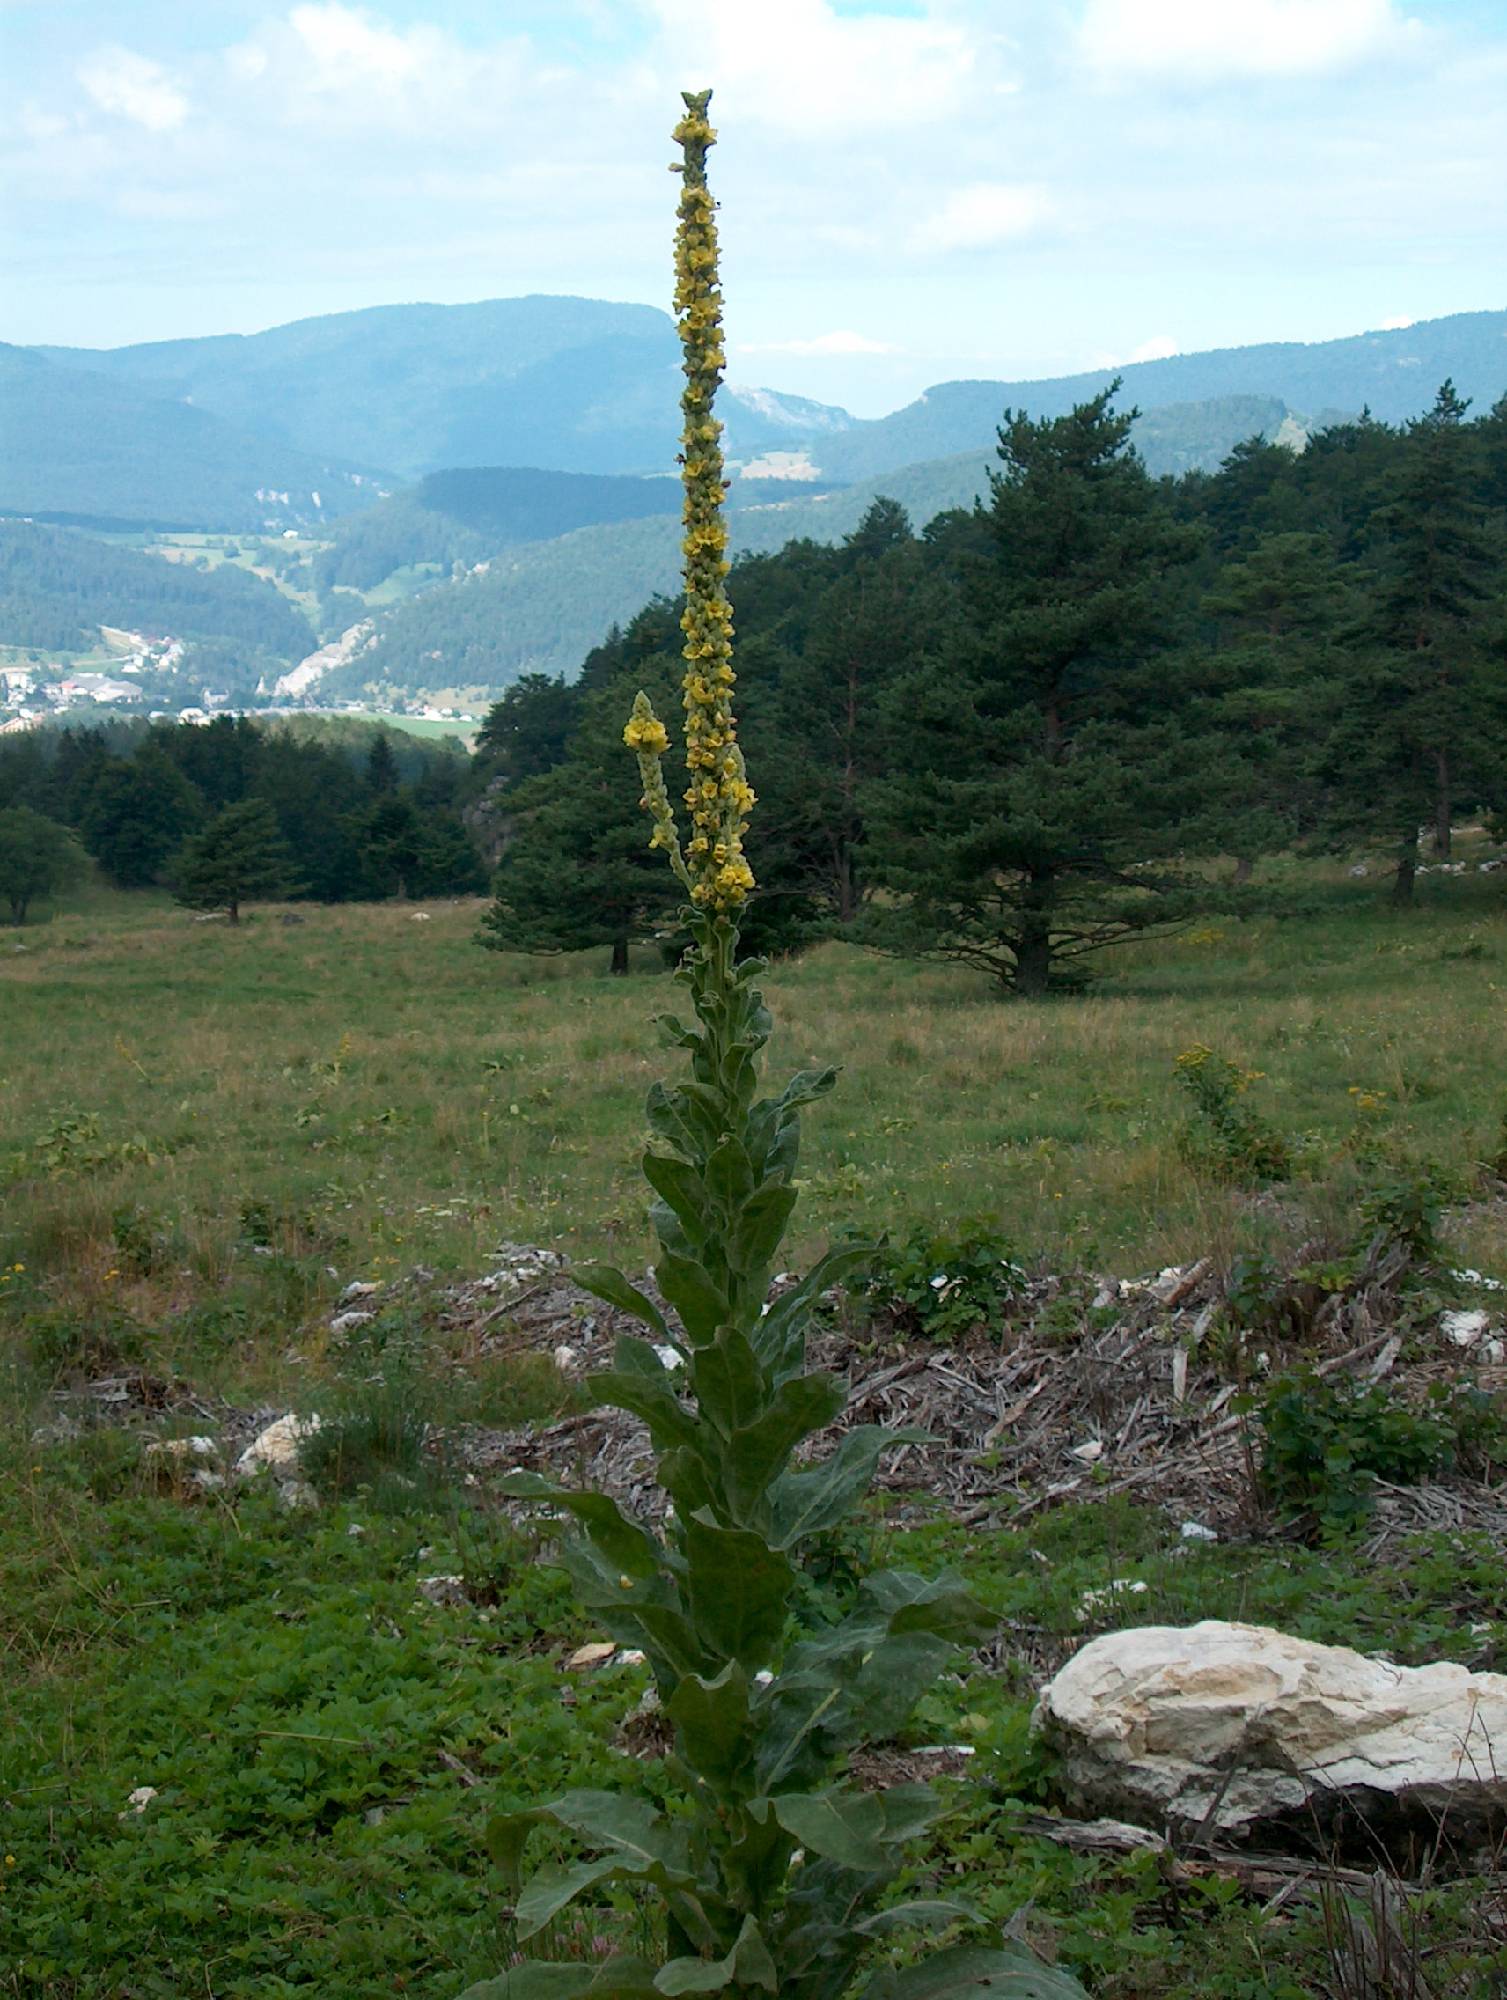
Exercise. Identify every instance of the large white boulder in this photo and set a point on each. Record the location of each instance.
(1226, 1726)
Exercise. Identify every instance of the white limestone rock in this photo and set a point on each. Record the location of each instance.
(1236, 1725)
(275, 1449)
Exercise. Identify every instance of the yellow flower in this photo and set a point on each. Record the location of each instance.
(647, 733)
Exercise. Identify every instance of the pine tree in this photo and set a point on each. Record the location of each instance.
(37, 858)
(577, 872)
(240, 857)
(1041, 787)
(1425, 720)
(1267, 673)
(381, 767)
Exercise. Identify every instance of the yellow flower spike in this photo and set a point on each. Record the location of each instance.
(718, 796)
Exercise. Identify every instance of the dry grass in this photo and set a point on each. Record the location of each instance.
(365, 1092)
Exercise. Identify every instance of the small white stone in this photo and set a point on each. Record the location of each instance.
(358, 1288)
(566, 1356)
(1463, 1328)
(1090, 1453)
(347, 1322)
(138, 1801)
(670, 1357)
(1195, 1531)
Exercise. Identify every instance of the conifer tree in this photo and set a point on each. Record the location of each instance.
(136, 814)
(1425, 714)
(240, 857)
(575, 874)
(1042, 785)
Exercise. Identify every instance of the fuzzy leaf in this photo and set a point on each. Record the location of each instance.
(729, 1173)
(926, 1913)
(727, 1380)
(624, 1544)
(805, 1087)
(747, 1964)
(758, 1452)
(967, 1972)
(613, 1289)
(789, 1313)
(941, 1605)
(712, 1717)
(552, 1888)
(845, 1827)
(506, 1837)
(816, 1498)
(759, 1228)
(682, 1190)
(702, 1306)
(737, 1591)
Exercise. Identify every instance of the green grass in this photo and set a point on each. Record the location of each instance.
(205, 1134)
(380, 1093)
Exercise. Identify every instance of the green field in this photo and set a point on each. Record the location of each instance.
(205, 1134)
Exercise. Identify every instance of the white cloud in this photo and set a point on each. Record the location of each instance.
(799, 65)
(1204, 40)
(1160, 347)
(134, 87)
(840, 341)
(1397, 323)
(346, 47)
(983, 215)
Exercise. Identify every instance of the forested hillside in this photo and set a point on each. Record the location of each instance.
(57, 587)
(1054, 723)
(541, 608)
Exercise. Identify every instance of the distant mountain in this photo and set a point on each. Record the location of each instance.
(572, 385)
(83, 447)
(1394, 373)
(541, 607)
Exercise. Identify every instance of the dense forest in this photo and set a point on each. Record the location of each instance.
(359, 815)
(1076, 713)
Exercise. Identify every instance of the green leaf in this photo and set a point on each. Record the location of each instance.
(737, 1591)
(759, 1228)
(941, 1605)
(729, 1173)
(789, 1313)
(615, 1979)
(759, 1451)
(552, 1888)
(747, 1964)
(712, 1718)
(506, 1837)
(675, 1034)
(702, 1305)
(805, 1087)
(682, 1190)
(926, 1913)
(727, 1380)
(966, 1972)
(631, 1827)
(816, 1498)
(845, 1827)
(626, 1545)
(609, 1285)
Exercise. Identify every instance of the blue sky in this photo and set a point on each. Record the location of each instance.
(911, 191)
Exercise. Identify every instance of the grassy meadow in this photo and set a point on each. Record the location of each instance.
(206, 1133)
(365, 1090)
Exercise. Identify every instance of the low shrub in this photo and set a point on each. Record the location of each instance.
(1226, 1137)
(942, 1286)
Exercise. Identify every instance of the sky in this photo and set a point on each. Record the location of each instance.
(912, 190)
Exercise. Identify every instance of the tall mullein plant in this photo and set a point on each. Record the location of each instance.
(769, 1863)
